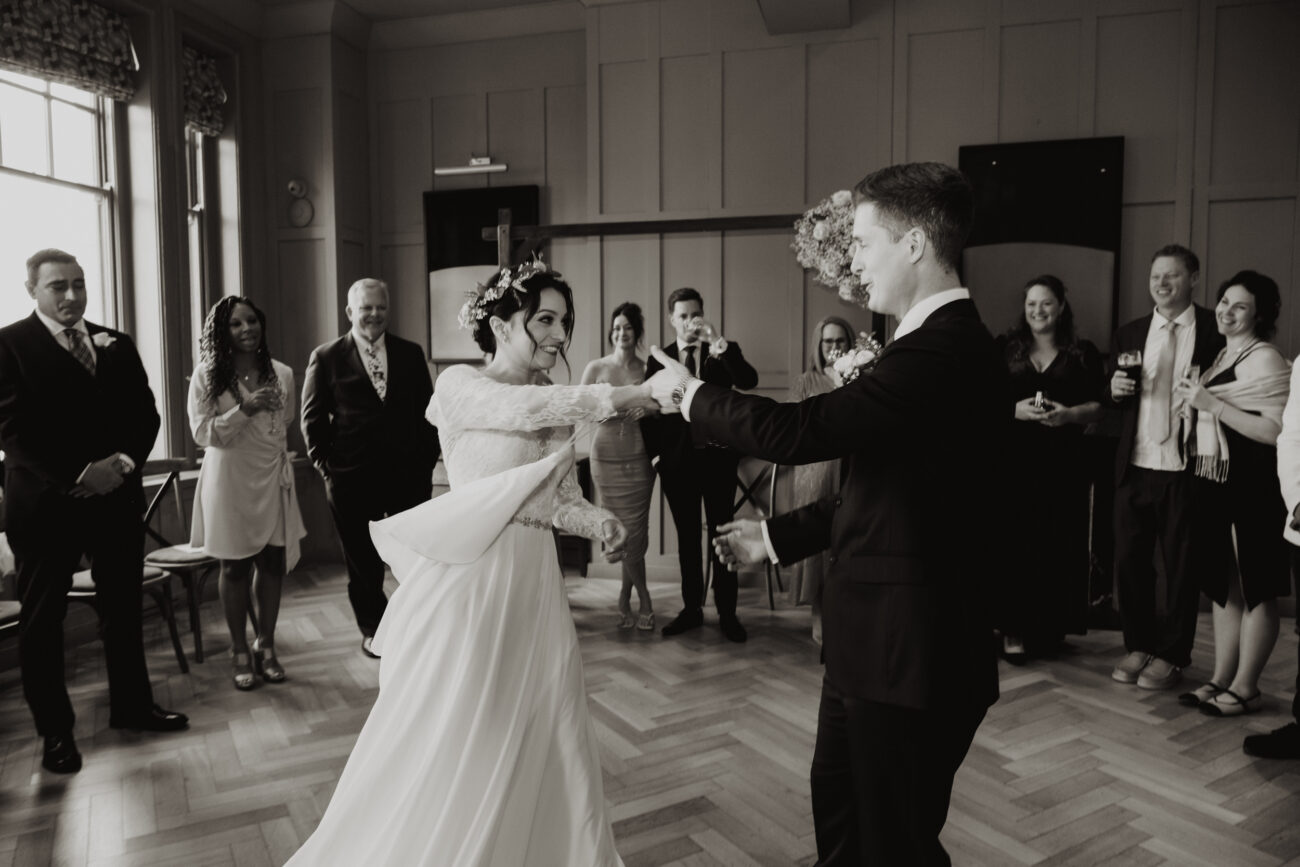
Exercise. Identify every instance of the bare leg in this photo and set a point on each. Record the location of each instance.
(625, 592)
(233, 585)
(1227, 636)
(634, 572)
(268, 586)
(1259, 628)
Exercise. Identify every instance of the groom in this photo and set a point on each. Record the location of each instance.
(910, 665)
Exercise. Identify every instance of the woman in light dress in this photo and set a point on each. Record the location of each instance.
(619, 465)
(479, 751)
(831, 336)
(245, 507)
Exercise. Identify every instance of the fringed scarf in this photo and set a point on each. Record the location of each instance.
(1266, 396)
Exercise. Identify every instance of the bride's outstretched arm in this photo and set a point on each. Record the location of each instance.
(477, 401)
(575, 515)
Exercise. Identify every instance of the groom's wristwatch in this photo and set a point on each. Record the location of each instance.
(679, 390)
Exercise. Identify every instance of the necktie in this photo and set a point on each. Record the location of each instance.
(690, 360)
(1162, 384)
(80, 351)
(376, 371)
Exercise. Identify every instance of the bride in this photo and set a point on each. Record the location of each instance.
(478, 751)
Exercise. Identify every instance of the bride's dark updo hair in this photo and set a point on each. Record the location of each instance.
(512, 301)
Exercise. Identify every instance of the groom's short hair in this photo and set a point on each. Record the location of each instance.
(933, 196)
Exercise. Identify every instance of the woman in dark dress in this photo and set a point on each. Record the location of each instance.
(1237, 416)
(1057, 381)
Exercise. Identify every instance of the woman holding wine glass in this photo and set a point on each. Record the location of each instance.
(1057, 383)
(1236, 413)
(245, 506)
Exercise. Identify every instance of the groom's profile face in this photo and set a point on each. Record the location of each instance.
(879, 261)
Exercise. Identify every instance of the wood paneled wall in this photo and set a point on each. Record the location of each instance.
(688, 108)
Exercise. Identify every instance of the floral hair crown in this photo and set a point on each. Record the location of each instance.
(477, 299)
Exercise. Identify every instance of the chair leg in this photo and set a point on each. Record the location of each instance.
(193, 582)
(767, 573)
(252, 610)
(162, 595)
(776, 569)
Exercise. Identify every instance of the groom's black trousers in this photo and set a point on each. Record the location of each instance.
(882, 777)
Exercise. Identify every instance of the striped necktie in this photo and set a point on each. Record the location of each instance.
(80, 351)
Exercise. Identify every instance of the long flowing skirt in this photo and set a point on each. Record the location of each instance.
(479, 751)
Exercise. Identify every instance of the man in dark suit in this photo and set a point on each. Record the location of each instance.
(1154, 490)
(908, 644)
(692, 471)
(363, 404)
(77, 421)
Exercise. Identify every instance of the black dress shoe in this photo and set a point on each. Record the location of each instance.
(690, 618)
(155, 719)
(732, 629)
(366, 649)
(61, 754)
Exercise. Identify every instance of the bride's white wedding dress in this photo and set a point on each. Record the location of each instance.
(479, 751)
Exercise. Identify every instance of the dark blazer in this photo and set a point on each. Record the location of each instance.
(668, 436)
(55, 417)
(350, 431)
(913, 533)
(1133, 336)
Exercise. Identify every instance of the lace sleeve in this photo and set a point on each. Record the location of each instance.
(466, 398)
(575, 515)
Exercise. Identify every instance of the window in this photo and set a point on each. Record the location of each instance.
(55, 188)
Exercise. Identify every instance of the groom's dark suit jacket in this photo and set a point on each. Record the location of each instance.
(913, 533)
(55, 417)
(350, 432)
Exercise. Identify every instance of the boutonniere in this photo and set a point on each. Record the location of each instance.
(102, 339)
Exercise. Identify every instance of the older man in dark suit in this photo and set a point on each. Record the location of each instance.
(77, 421)
(908, 645)
(363, 404)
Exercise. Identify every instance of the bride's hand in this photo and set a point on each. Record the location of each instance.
(614, 538)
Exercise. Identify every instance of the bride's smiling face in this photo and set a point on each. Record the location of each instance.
(537, 343)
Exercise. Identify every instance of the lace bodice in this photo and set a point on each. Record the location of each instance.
(486, 427)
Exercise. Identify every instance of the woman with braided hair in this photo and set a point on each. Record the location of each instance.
(245, 507)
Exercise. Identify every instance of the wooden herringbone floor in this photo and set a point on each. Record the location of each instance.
(705, 747)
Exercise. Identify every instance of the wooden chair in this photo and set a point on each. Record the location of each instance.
(157, 583)
(189, 564)
(750, 493)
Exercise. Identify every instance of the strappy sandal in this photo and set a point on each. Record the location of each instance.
(241, 670)
(1237, 707)
(646, 622)
(626, 620)
(1200, 695)
(266, 663)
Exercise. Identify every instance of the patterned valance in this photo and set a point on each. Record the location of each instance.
(74, 42)
(204, 94)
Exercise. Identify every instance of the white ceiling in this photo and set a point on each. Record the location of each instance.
(387, 10)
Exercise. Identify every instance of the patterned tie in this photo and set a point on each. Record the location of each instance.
(376, 371)
(1162, 385)
(80, 350)
(690, 359)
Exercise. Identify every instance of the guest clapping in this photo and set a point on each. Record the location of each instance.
(1056, 380)
(1237, 409)
(245, 507)
(619, 464)
(832, 336)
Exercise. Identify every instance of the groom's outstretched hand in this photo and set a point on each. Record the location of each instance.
(664, 381)
(740, 543)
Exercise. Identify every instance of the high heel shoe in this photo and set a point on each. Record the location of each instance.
(646, 622)
(266, 664)
(241, 670)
